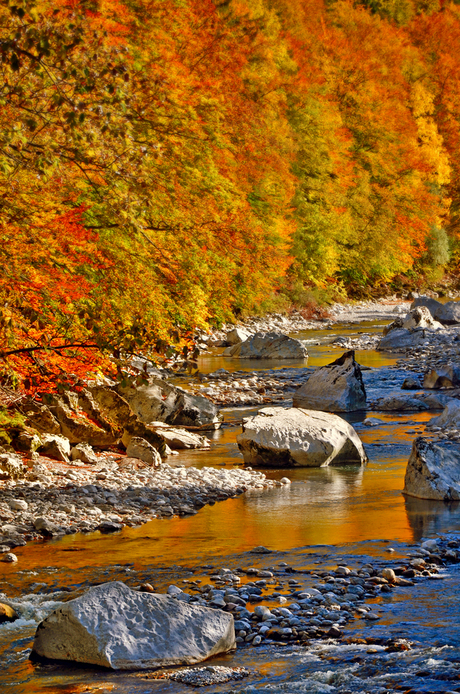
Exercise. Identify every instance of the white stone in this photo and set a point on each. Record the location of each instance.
(116, 627)
(236, 336)
(336, 387)
(430, 545)
(433, 470)
(278, 437)
(55, 446)
(143, 450)
(18, 505)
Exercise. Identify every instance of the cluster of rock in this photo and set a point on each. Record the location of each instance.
(120, 628)
(236, 388)
(411, 331)
(68, 426)
(56, 499)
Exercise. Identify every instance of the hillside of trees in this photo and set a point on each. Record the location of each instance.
(173, 164)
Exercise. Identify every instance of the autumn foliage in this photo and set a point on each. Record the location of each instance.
(168, 165)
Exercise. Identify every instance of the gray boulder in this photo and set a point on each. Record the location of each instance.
(400, 339)
(278, 437)
(160, 401)
(337, 387)
(449, 418)
(116, 627)
(448, 313)
(433, 470)
(396, 401)
(268, 346)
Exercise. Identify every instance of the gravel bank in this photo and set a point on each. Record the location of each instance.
(59, 498)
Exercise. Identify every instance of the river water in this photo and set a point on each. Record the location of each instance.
(341, 514)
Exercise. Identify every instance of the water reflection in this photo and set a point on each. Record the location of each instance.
(427, 517)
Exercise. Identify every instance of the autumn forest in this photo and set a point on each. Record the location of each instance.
(173, 164)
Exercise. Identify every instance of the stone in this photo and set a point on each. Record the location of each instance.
(41, 418)
(278, 437)
(389, 575)
(269, 346)
(160, 401)
(337, 387)
(9, 558)
(143, 450)
(410, 384)
(45, 526)
(18, 505)
(119, 628)
(85, 453)
(420, 317)
(11, 466)
(448, 314)
(433, 470)
(78, 426)
(443, 377)
(395, 401)
(7, 613)
(180, 439)
(54, 446)
(400, 339)
(449, 418)
(236, 336)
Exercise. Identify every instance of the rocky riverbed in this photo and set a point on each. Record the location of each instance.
(58, 498)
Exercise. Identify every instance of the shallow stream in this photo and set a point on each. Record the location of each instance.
(326, 516)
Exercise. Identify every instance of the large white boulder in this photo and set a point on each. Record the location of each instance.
(448, 313)
(160, 401)
(278, 437)
(268, 346)
(433, 470)
(116, 627)
(337, 387)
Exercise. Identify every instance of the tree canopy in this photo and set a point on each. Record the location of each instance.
(171, 165)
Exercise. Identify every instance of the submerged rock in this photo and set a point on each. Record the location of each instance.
(116, 627)
(268, 346)
(337, 387)
(433, 470)
(278, 437)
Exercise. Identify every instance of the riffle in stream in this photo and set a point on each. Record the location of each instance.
(328, 516)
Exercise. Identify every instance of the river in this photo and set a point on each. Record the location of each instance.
(330, 515)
